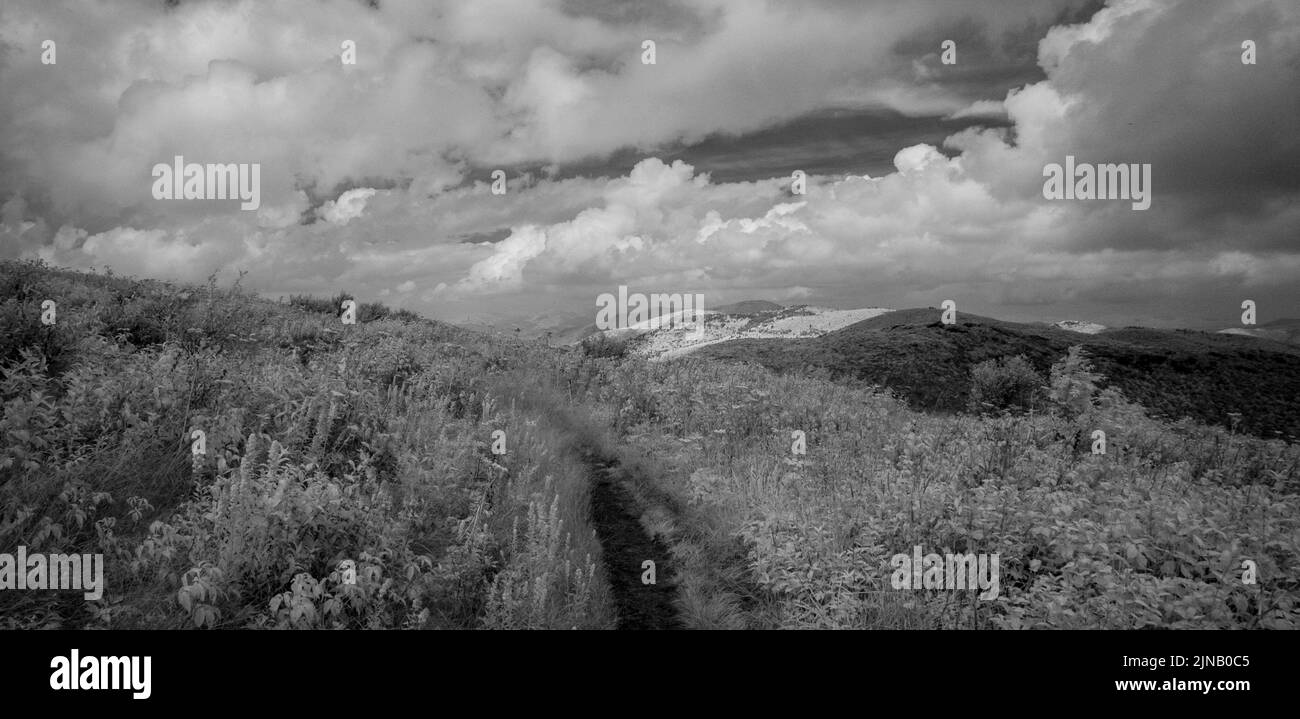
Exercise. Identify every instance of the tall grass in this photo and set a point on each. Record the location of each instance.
(1152, 533)
(350, 480)
(346, 480)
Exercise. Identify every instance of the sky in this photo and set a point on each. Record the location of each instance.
(924, 179)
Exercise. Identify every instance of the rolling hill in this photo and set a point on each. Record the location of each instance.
(1280, 330)
(743, 320)
(245, 453)
(1173, 373)
(749, 307)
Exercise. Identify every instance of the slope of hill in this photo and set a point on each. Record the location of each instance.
(1280, 330)
(748, 307)
(1175, 374)
(1087, 328)
(719, 326)
(232, 458)
(227, 454)
(575, 330)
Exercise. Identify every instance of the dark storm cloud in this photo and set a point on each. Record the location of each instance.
(1223, 137)
(833, 142)
(376, 176)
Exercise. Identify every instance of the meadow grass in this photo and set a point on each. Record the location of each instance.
(349, 480)
(1151, 534)
(325, 444)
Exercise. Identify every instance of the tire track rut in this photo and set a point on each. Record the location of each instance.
(625, 545)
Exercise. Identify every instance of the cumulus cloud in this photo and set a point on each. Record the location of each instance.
(495, 81)
(392, 154)
(976, 223)
(349, 205)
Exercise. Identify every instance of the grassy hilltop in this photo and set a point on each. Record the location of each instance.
(325, 442)
(1208, 377)
(375, 442)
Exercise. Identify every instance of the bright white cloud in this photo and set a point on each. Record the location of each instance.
(438, 94)
(349, 205)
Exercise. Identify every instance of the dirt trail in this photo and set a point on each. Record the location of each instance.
(625, 545)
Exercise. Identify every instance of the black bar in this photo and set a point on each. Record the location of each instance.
(937, 671)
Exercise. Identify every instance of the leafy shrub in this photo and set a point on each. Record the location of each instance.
(23, 287)
(604, 345)
(319, 305)
(366, 311)
(372, 311)
(404, 315)
(1005, 384)
(1074, 385)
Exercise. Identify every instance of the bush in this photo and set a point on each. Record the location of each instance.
(21, 331)
(1073, 383)
(1005, 384)
(366, 311)
(315, 304)
(23, 288)
(404, 315)
(603, 345)
(371, 311)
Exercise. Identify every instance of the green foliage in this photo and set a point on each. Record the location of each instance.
(348, 481)
(1210, 378)
(325, 445)
(604, 345)
(1073, 383)
(1151, 534)
(23, 287)
(366, 311)
(1005, 384)
(523, 595)
(317, 305)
